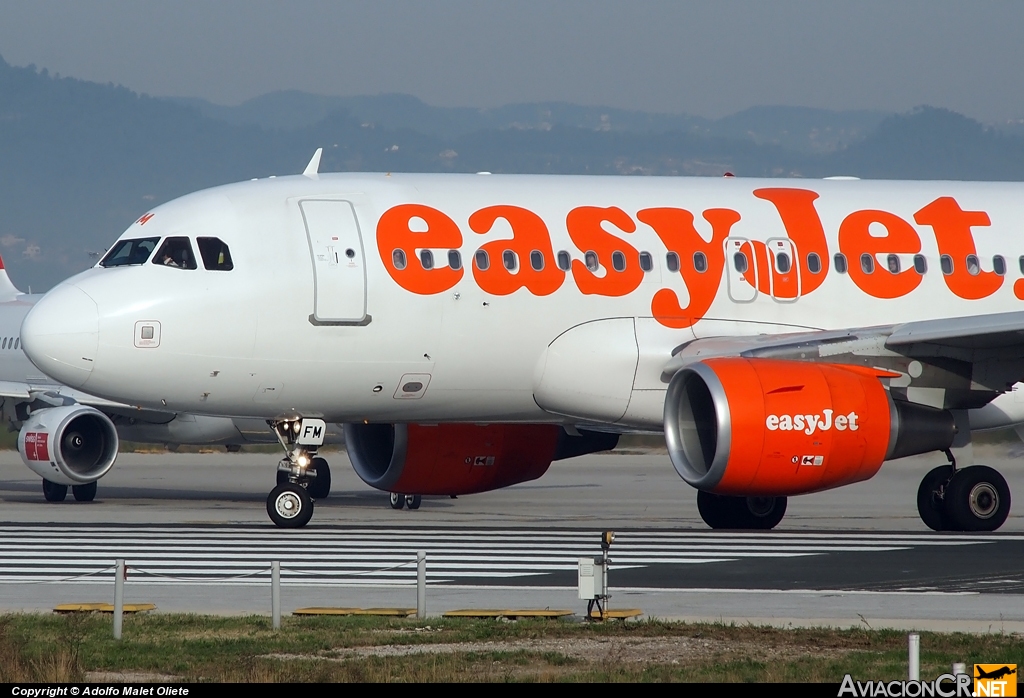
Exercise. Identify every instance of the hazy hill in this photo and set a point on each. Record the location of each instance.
(80, 161)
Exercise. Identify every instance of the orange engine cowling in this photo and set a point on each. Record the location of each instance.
(770, 427)
(460, 458)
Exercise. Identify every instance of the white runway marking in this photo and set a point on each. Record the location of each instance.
(360, 556)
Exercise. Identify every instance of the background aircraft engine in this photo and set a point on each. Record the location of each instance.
(763, 427)
(458, 458)
(70, 445)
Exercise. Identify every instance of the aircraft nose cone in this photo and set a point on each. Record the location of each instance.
(61, 333)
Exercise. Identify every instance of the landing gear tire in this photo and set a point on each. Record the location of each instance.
(289, 506)
(413, 501)
(931, 503)
(977, 499)
(84, 493)
(397, 500)
(52, 492)
(762, 513)
(752, 513)
(320, 486)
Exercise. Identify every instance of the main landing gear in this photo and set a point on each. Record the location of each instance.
(756, 513)
(52, 492)
(405, 500)
(976, 498)
(302, 476)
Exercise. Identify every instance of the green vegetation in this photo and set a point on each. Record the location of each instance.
(164, 647)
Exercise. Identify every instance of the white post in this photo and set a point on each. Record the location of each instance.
(118, 597)
(421, 584)
(915, 657)
(275, 593)
(959, 668)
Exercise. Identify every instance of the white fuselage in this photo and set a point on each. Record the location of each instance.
(299, 327)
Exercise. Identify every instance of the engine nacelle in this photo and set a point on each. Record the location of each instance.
(460, 458)
(70, 445)
(764, 427)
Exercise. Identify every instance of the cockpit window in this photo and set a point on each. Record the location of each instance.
(125, 252)
(215, 253)
(176, 252)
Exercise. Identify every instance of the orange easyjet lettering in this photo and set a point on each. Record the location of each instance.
(620, 260)
(952, 226)
(862, 249)
(803, 227)
(400, 246)
(675, 228)
(532, 261)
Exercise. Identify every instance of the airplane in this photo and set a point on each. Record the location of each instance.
(787, 337)
(88, 430)
(996, 673)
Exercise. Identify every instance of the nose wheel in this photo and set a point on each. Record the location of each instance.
(290, 506)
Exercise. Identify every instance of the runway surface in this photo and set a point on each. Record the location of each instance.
(194, 531)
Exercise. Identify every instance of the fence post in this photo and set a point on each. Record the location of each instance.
(275, 593)
(118, 597)
(915, 657)
(421, 584)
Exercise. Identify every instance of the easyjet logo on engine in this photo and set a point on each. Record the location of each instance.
(612, 266)
(809, 423)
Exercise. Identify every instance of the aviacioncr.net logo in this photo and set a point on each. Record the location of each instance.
(946, 686)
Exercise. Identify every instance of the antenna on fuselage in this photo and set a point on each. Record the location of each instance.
(313, 168)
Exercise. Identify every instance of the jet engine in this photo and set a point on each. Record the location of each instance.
(70, 445)
(763, 427)
(458, 459)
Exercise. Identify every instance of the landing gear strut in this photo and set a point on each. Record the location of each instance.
(302, 476)
(756, 513)
(976, 498)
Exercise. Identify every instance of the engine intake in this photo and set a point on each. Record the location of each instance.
(70, 445)
(764, 427)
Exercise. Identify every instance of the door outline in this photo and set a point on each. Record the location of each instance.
(738, 287)
(320, 284)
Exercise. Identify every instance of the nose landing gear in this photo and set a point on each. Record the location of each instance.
(302, 476)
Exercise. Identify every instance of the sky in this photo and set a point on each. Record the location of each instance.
(704, 58)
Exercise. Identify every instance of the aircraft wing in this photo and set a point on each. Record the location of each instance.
(998, 331)
(57, 395)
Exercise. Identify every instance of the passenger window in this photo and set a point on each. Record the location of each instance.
(973, 265)
(175, 252)
(1020, 263)
(215, 253)
(867, 263)
(920, 264)
(782, 263)
(398, 259)
(17, 342)
(537, 260)
(5, 343)
(893, 262)
(591, 260)
(739, 261)
(427, 259)
(618, 261)
(508, 258)
(999, 265)
(127, 252)
(481, 260)
(700, 262)
(454, 259)
(672, 262)
(646, 261)
(564, 261)
(813, 263)
(946, 262)
(839, 262)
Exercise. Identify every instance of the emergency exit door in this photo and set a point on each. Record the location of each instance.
(339, 266)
